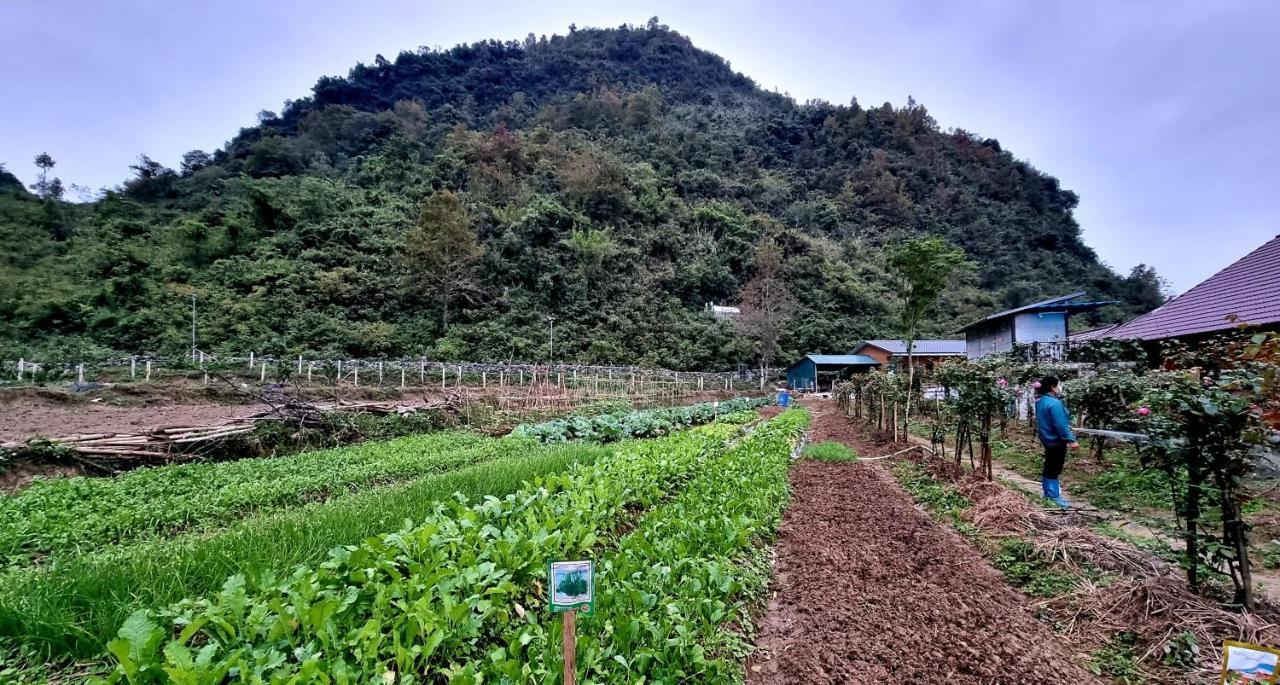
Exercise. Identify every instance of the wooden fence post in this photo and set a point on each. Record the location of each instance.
(442, 375)
(379, 373)
(310, 366)
(133, 367)
(148, 377)
(355, 375)
(250, 360)
(338, 378)
(402, 375)
(262, 377)
(20, 363)
(80, 374)
(299, 365)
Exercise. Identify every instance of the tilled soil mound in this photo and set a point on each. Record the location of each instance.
(868, 589)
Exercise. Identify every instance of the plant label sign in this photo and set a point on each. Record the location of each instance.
(572, 585)
(1246, 663)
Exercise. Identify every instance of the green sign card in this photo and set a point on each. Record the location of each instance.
(572, 585)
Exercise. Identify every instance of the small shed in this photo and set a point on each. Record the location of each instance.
(820, 371)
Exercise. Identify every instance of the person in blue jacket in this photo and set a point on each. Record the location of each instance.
(1053, 425)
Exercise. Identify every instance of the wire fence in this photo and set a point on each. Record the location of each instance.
(385, 373)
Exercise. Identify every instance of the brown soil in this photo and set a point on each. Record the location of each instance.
(869, 589)
(22, 420)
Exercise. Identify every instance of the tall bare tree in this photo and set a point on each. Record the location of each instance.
(442, 253)
(766, 303)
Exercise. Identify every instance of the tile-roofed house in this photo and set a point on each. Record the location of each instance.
(1249, 290)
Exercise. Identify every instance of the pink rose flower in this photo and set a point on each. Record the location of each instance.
(1143, 411)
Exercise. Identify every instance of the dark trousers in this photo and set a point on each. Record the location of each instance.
(1054, 457)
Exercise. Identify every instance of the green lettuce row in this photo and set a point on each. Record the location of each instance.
(667, 598)
(70, 516)
(418, 601)
(649, 423)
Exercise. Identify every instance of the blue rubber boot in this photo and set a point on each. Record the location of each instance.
(1053, 490)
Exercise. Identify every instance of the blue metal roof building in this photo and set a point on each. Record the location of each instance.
(1047, 322)
(818, 371)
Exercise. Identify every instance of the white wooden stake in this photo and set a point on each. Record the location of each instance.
(402, 376)
(339, 377)
(20, 363)
(133, 367)
(459, 375)
(355, 375)
(484, 379)
(379, 373)
(262, 375)
(251, 360)
(148, 377)
(310, 366)
(422, 373)
(80, 374)
(299, 365)
(442, 375)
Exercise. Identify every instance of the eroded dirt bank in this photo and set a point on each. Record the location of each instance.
(868, 589)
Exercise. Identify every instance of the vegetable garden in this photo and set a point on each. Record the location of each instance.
(289, 567)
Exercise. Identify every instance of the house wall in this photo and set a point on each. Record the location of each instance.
(802, 375)
(877, 354)
(990, 338)
(1040, 327)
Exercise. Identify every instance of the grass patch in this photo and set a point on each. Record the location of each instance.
(1123, 485)
(830, 451)
(1118, 659)
(941, 500)
(1024, 568)
(73, 608)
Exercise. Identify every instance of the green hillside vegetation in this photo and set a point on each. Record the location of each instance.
(444, 203)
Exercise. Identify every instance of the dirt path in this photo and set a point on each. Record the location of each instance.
(868, 589)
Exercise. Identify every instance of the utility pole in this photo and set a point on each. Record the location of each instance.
(193, 328)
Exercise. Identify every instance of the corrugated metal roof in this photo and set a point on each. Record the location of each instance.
(922, 347)
(1063, 303)
(840, 360)
(1018, 310)
(1249, 289)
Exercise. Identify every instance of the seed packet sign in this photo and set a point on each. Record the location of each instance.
(573, 586)
(1246, 663)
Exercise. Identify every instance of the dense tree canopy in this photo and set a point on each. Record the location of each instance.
(618, 179)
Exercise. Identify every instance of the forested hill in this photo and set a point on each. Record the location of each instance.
(618, 180)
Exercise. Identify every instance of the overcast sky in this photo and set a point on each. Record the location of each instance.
(1161, 115)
